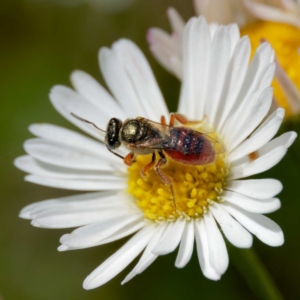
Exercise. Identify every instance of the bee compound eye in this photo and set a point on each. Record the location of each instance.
(112, 133)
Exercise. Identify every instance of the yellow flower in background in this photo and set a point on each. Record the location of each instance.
(285, 40)
(277, 22)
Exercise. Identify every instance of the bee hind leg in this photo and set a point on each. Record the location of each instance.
(178, 117)
(146, 168)
(164, 178)
(181, 119)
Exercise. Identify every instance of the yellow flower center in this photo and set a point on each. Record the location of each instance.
(285, 39)
(195, 188)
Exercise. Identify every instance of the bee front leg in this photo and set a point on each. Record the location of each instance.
(164, 178)
(148, 166)
(129, 159)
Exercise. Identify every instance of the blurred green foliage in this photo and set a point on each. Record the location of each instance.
(41, 43)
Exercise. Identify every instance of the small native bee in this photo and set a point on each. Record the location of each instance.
(142, 136)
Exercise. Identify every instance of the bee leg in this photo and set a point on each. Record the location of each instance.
(183, 120)
(129, 159)
(163, 120)
(179, 117)
(148, 166)
(164, 178)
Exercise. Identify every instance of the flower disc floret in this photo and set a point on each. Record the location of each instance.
(195, 188)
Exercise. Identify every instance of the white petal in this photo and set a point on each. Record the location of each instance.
(172, 240)
(176, 21)
(203, 251)
(163, 47)
(255, 115)
(236, 234)
(261, 164)
(261, 136)
(286, 140)
(79, 184)
(148, 257)
(262, 58)
(120, 84)
(142, 78)
(67, 101)
(92, 234)
(120, 260)
(200, 7)
(218, 255)
(88, 200)
(123, 232)
(256, 188)
(67, 137)
(28, 164)
(235, 76)
(186, 245)
(289, 88)
(265, 229)
(74, 211)
(234, 35)
(67, 218)
(212, 28)
(257, 79)
(196, 52)
(251, 204)
(67, 156)
(79, 201)
(289, 4)
(219, 60)
(270, 13)
(91, 90)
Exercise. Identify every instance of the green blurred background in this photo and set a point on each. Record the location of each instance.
(42, 41)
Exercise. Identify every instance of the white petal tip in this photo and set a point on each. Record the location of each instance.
(212, 276)
(64, 239)
(24, 214)
(179, 265)
(279, 241)
(75, 75)
(292, 138)
(35, 223)
(62, 248)
(127, 278)
(88, 284)
(150, 35)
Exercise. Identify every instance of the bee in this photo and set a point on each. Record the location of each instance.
(142, 136)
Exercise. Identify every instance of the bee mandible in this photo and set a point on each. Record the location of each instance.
(142, 136)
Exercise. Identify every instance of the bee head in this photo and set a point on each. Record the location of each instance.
(112, 134)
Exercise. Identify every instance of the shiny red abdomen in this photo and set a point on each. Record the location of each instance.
(190, 147)
(192, 159)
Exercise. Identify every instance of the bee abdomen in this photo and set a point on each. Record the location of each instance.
(189, 147)
(185, 140)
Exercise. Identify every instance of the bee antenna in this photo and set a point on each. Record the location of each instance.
(86, 121)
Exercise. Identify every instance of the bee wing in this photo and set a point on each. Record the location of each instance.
(211, 145)
(217, 146)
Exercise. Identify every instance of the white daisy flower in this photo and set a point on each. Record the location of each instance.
(220, 89)
(282, 11)
(281, 19)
